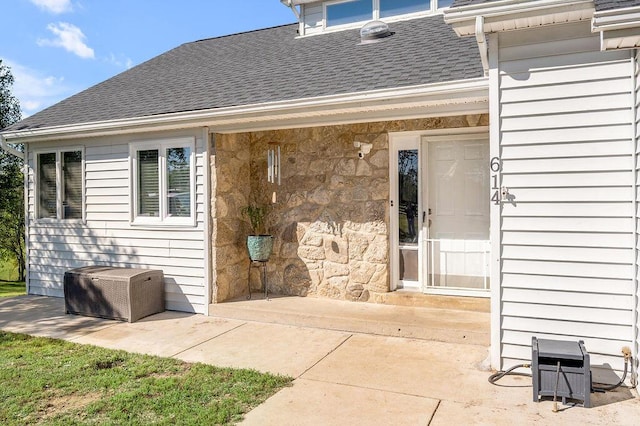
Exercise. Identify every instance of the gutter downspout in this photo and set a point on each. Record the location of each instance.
(482, 44)
(12, 151)
(634, 303)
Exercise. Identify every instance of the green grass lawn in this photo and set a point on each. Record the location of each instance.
(8, 276)
(8, 289)
(54, 382)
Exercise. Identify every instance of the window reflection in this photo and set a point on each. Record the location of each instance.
(408, 193)
(401, 7)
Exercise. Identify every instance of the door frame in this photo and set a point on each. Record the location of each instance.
(403, 140)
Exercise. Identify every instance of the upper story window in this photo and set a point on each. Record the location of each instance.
(402, 7)
(163, 182)
(344, 12)
(348, 12)
(59, 184)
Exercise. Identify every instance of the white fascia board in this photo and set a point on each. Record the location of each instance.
(461, 97)
(618, 28)
(10, 150)
(616, 19)
(517, 14)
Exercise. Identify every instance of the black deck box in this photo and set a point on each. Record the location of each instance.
(125, 294)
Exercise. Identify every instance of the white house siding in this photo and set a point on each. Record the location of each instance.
(568, 237)
(312, 18)
(107, 237)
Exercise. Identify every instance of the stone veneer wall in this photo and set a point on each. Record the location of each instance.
(331, 218)
(230, 189)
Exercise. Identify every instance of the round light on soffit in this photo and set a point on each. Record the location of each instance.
(374, 32)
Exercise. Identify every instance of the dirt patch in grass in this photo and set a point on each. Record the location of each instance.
(57, 405)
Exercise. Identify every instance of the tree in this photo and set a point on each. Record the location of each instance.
(11, 181)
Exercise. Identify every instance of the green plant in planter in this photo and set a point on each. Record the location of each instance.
(259, 243)
(257, 215)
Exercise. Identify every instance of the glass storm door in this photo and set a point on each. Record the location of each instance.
(457, 228)
(440, 213)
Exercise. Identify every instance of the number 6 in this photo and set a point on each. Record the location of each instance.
(495, 165)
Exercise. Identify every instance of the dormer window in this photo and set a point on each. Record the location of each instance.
(345, 12)
(402, 7)
(348, 12)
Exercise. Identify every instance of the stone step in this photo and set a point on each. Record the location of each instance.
(445, 325)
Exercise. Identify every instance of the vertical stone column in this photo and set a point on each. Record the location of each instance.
(229, 192)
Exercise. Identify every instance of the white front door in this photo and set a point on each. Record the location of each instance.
(440, 213)
(457, 190)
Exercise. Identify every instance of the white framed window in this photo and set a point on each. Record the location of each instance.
(163, 182)
(388, 8)
(60, 184)
(346, 13)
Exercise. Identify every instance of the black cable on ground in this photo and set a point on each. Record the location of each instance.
(500, 374)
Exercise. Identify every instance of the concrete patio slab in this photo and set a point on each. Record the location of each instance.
(312, 403)
(165, 334)
(446, 325)
(272, 348)
(436, 368)
(45, 317)
(450, 412)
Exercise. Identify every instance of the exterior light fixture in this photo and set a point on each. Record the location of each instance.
(374, 32)
(364, 148)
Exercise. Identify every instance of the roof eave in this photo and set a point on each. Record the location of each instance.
(618, 28)
(517, 14)
(460, 97)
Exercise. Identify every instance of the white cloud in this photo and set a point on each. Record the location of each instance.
(34, 90)
(54, 6)
(120, 62)
(70, 38)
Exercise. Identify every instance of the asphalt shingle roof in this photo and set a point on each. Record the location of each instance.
(615, 4)
(270, 65)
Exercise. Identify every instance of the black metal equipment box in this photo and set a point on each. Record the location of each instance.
(574, 378)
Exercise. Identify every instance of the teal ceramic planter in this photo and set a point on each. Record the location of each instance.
(260, 247)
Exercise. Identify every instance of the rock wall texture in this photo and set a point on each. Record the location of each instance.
(331, 215)
(230, 190)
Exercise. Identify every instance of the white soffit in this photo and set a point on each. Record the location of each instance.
(451, 98)
(509, 15)
(618, 28)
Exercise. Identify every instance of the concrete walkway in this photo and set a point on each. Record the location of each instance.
(352, 363)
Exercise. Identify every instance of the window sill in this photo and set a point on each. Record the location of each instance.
(158, 224)
(56, 221)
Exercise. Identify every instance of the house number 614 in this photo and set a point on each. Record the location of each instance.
(496, 167)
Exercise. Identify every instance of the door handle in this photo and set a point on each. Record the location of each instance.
(424, 216)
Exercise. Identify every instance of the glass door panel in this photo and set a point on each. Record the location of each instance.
(408, 190)
(457, 185)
